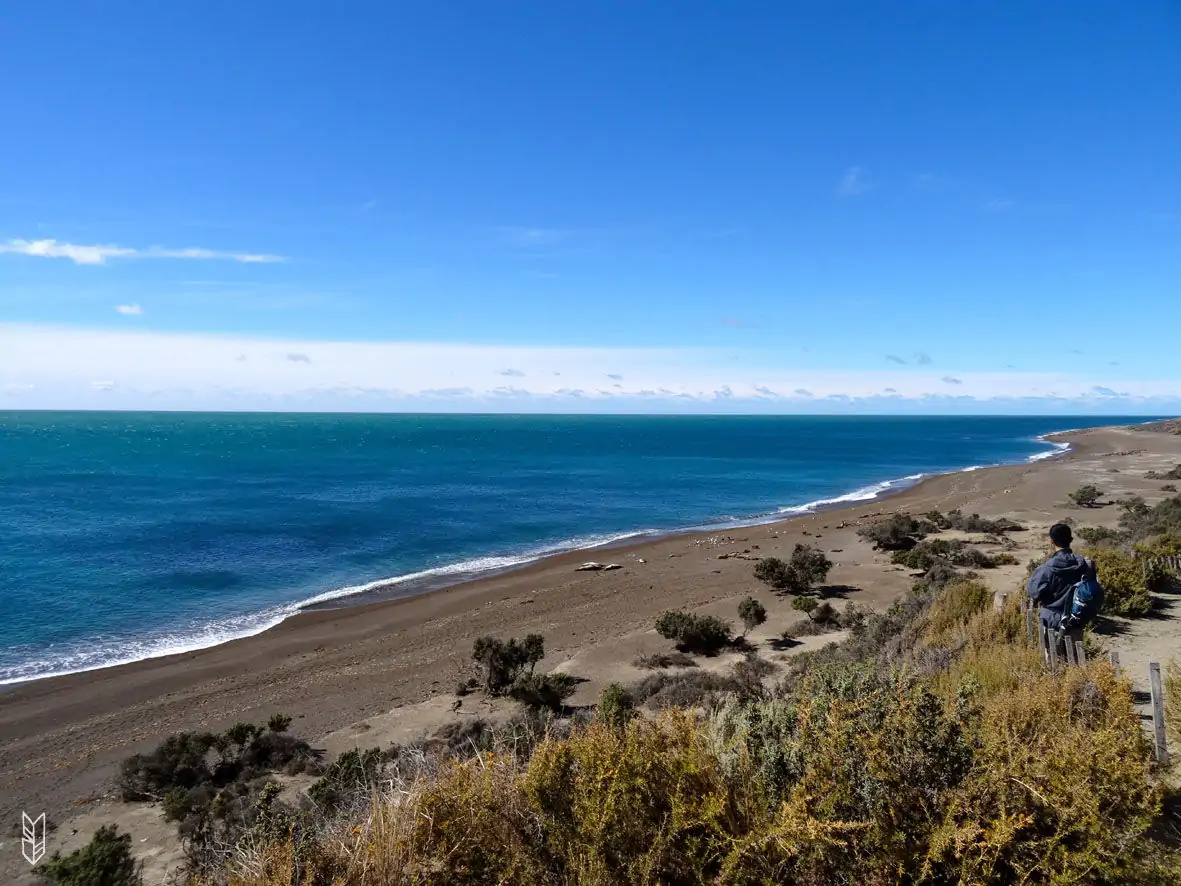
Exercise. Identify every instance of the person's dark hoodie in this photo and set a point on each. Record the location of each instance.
(1051, 584)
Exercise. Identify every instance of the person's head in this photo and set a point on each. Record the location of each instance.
(1061, 535)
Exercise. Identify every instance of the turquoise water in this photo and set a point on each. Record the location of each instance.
(129, 535)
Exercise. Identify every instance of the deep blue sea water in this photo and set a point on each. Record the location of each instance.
(128, 535)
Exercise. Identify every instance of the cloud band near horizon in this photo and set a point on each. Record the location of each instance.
(64, 367)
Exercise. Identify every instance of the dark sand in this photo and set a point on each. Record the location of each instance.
(61, 739)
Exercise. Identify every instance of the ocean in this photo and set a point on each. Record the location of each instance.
(132, 535)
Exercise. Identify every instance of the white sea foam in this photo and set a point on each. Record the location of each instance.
(865, 493)
(1059, 449)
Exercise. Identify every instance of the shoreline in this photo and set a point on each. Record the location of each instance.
(337, 671)
(423, 582)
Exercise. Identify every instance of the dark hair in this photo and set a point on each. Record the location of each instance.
(1061, 535)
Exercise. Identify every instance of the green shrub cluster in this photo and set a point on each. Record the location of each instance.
(501, 662)
(752, 612)
(804, 570)
(616, 705)
(705, 634)
(105, 861)
(1086, 496)
(900, 532)
(208, 782)
(1125, 585)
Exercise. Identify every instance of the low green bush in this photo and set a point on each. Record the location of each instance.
(1086, 496)
(752, 612)
(705, 634)
(501, 662)
(543, 691)
(616, 705)
(1125, 590)
(900, 532)
(352, 772)
(105, 861)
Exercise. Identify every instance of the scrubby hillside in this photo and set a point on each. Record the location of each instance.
(930, 747)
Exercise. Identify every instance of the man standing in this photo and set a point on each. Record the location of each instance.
(1052, 585)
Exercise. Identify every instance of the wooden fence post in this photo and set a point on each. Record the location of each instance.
(1031, 624)
(1052, 644)
(1158, 714)
(1069, 650)
(1080, 654)
(1043, 642)
(1113, 657)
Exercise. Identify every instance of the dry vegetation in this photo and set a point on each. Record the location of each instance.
(930, 747)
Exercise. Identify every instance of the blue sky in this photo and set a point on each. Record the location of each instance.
(883, 206)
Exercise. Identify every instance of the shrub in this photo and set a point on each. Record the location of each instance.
(807, 567)
(804, 604)
(826, 614)
(646, 804)
(1033, 742)
(1162, 518)
(957, 605)
(1173, 700)
(1097, 535)
(749, 674)
(1004, 559)
(664, 660)
(688, 689)
(353, 772)
(189, 760)
(543, 691)
(1168, 487)
(105, 861)
(899, 533)
(705, 634)
(616, 705)
(1173, 473)
(752, 612)
(938, 520)
(501, 662)
(773, 571)
(918, 557)
(1086, 496)
(279, 723)
(1125, 590)
(976, 523)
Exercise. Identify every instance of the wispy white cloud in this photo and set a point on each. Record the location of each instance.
(143, 369)
(922, 358)
(100, 253)
(133, 310)
(893, 358)
(512, 373)
(854, 182)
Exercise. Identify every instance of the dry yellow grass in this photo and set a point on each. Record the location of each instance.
(991, 772)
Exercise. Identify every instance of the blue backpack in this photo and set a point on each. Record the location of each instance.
(1085, 601)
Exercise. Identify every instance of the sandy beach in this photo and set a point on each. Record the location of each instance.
(395, 663)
